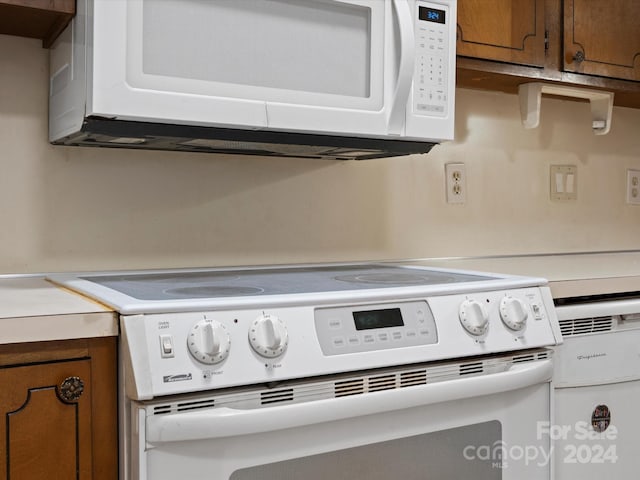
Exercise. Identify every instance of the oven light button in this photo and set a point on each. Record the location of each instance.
(268, 336)
(473, 317)
(166, 346)
(513, 313)
(209, 342)
(538, 314)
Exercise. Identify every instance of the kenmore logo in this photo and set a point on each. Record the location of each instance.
(177, 378)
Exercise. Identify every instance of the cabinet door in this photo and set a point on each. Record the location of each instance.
(43, 19)
(42, 436)
(503, 30)
(602, 38)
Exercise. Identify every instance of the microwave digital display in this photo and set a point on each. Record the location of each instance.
(389, 317)
(431, 15)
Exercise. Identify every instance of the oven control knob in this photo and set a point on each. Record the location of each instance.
(209, 342)
(473, 317)
(513, 313)
(268, 336)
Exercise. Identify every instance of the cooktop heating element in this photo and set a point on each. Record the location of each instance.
(274, 281)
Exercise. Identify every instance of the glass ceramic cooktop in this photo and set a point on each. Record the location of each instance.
(274, 281)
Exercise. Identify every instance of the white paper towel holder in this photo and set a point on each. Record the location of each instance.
(530, 99)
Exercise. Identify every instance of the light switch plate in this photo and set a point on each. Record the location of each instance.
(563, 182)
(633, 187)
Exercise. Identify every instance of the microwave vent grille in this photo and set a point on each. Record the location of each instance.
(105, 132)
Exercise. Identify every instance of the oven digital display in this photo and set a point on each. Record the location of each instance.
(389, 317)
(431, 15)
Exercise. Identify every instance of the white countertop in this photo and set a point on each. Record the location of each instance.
(569, 275)
(33, 310)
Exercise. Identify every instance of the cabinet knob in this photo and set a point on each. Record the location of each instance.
(578, 57)
(71, 389)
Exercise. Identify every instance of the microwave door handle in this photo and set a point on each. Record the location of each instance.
(396, 112)
(226, 422)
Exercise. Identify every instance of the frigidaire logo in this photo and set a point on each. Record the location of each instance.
(593, 355)
(177, 378)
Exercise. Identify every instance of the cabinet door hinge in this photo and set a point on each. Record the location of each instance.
(546, 40)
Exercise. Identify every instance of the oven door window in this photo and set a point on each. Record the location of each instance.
(474, 451)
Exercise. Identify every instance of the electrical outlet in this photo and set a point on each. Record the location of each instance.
(455, 182)
(633, 187)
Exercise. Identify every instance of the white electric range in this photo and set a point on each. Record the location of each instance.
(264, 372)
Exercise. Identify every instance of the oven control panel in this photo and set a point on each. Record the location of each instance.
(182, 352)
(350, 329)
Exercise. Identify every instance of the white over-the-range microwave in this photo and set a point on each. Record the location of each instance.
(341, 79)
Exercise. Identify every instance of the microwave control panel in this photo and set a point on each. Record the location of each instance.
(431, 76)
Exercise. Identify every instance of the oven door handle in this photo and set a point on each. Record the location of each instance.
(226, 422)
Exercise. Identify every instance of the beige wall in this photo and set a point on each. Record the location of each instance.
(76, 208)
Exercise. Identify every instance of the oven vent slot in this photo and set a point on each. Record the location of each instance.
(583, 326)
(185, 406)
(276, 396)
(471, 368)
(523, 358)
(416, 377)
(162, 409)
(349, 387)
(383, 382)
(357, 383)
(542, 356)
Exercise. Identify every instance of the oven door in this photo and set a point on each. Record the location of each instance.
(487, 424)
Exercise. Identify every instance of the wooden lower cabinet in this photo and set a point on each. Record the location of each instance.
(59, 404)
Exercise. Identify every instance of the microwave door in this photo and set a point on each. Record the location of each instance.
(314, 66)
(369, 66)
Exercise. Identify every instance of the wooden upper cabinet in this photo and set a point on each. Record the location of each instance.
(43, 19)
(505, 43)
(510, 31)
(602, 38)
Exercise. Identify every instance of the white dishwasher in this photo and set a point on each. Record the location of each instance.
(597, 389)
